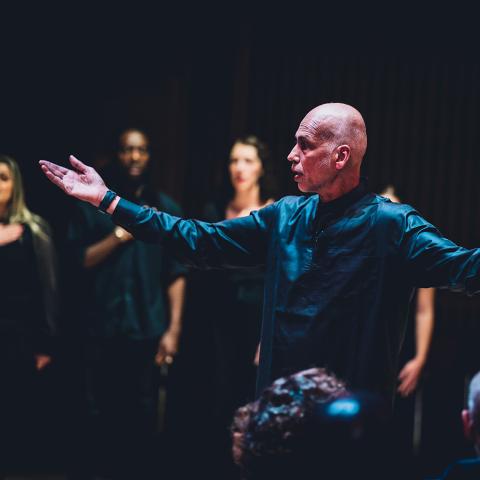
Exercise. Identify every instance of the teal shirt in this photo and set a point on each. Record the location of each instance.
(125, 295)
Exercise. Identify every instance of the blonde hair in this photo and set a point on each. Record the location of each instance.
(17, 211)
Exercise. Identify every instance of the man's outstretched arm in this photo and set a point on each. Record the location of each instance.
(431, 260)
(239, 242)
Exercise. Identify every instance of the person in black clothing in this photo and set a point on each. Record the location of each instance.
(27, 317)
(232, 299)
(419, 331)
(129, 320)
(341, 265)
(413, 359)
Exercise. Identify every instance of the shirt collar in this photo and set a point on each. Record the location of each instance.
(340, 204)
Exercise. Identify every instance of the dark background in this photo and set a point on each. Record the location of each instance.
(196, 78)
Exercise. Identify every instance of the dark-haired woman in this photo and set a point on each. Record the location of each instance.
(233, 299)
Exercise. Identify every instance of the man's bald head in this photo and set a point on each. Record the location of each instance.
(474, 401)
(471, 415)
(330, 144)
(341, 124)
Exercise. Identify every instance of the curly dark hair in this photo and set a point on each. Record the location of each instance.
(309, 426)
(271, 430)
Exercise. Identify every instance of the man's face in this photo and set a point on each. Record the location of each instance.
(133, 153)
(312, 158)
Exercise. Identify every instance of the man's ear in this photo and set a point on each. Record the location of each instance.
(342, 155)
(467, 425)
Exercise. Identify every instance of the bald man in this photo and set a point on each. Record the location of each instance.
(469, 468)
(341, 265)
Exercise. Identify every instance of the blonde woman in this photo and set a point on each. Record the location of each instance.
(28, 308)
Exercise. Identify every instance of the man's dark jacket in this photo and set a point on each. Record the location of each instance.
(339, 276)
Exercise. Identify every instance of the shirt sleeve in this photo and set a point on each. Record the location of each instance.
(174, 268)
(231, 243)
(435, 261)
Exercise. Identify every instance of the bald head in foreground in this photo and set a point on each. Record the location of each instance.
(468, 468)
(341, 265)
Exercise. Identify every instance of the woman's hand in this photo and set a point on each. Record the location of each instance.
(409, 377)
(10, 233)
(41, 361)
(167, 348)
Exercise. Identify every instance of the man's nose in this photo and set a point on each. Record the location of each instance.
(135, 154)
(292, 156)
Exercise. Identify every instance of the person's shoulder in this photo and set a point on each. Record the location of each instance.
(401, 216)
(44, 225)
(468, 468)
(296, 202)
(292, 208)
(391, 209)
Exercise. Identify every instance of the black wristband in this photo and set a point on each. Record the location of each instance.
(106, 201)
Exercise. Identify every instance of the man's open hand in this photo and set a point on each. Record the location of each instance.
(81, 182)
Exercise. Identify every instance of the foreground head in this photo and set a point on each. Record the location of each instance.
(133, 152)
(271, 434)
(330, 144)
(249, 165)
(471, 415)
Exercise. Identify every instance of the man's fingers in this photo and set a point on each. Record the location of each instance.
(53, 168)
(77, 164)
(53, 178)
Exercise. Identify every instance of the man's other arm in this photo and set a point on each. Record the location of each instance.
(431, 260)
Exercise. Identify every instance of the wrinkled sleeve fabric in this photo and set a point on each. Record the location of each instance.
(435, 261)
(173, 268)
(241, 242)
